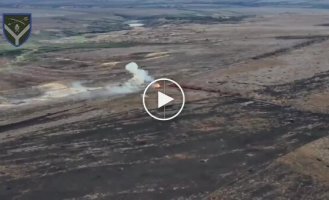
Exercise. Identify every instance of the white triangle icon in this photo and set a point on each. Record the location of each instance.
(163, 99)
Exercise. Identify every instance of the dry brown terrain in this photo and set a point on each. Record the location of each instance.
(254, 125)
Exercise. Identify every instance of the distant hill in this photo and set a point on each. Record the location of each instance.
(168, 3)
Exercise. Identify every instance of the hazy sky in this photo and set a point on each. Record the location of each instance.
(154, 3)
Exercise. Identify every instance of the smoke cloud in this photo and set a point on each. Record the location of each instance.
(140, 77)
(136, 83)
(76, 90)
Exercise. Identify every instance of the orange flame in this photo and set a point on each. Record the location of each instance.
(156, 85)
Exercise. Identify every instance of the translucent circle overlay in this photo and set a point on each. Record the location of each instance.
(183, 101)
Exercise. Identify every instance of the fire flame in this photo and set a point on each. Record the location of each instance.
(156, 86)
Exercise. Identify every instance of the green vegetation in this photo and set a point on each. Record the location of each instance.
(12, 53)
(29, 55)
(90, 26)
(205, 19)
(104, 27)
(32, 50)
(184, 18)
(73, 46)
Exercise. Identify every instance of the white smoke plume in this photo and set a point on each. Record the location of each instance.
(140, 77)
(77, 90)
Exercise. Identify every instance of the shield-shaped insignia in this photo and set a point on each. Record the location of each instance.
(17, 27)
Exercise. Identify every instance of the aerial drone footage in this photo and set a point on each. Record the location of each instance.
(164, 100)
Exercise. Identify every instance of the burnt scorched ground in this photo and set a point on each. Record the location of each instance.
(275, 66)
(298, 88)
(130, 156)
(276, 181)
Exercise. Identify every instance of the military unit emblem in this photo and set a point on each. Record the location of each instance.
(16, 28)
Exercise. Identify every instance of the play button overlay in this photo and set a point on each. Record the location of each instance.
(163, 99)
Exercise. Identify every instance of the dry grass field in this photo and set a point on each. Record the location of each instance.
(255, 124)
